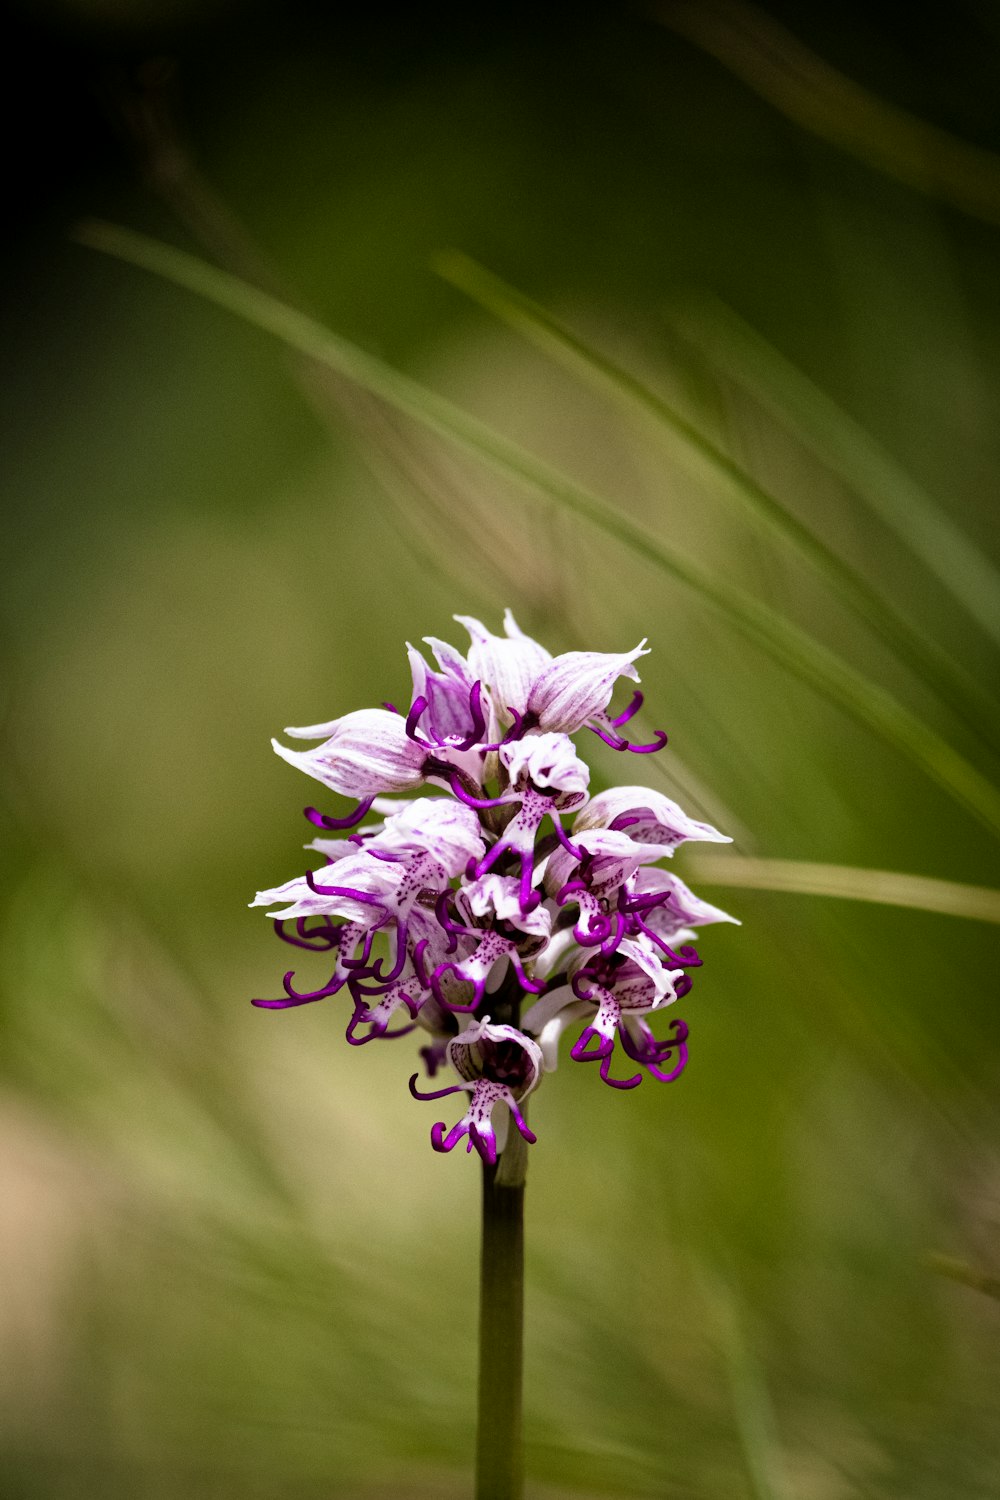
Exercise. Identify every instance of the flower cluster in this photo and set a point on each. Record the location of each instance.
(454, 911)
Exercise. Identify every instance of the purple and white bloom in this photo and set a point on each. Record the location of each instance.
(548, 762)
(468, 913)
(439, 826)
(497, 930)
(498, 896)
(499, 1066)
(611, 992)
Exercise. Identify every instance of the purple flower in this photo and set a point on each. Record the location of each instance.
(468, 913)
(499, 1066)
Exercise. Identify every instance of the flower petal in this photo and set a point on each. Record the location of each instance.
(547, 760)
(507, 665)
(367, 751)
(649, 817)
(439, 826)
(577, 685)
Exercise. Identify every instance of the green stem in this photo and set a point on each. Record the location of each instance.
(499, 1460)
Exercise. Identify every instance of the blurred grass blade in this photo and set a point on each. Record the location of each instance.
(840, 442)
(751, 1399)
(884, 887)
(707, 462)
(957, 1270)
(776, 65)
(781, 638)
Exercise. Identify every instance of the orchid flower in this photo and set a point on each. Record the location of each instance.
(456, 901)
(499, 1066)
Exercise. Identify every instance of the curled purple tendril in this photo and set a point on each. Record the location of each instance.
(366, 949)
(563, 837)
(515, 732)
(477, 803)
(390, 706)
(413, 717)
(532, 986)
(446, 921)
(320, 820)
(454, 1088)
(314, 940)
(293, 996)
(690, 957)
(617, 743)
(618, 1083)
(361, 986)
(684, 957)
(400, 959)
(478, 988)
(576, 985)
(657, 1072)
(379, 1031)
(610, 944)
(582, 1051)
(651, 1050)
(596, 933)
(478, 730)
(485, 1145)
(631, 711)
(660, 740)
(333, 984)
(365, 897)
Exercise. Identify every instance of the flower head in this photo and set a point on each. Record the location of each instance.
(452, 912)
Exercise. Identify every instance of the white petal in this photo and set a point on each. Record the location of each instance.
(658, 819)
(578, 685)
(549, 760)
(368, 751)
(507, 666)
(685, 907)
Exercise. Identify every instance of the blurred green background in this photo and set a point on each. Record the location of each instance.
(231, 1264)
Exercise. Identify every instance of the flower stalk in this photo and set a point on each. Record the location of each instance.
(499, 1455)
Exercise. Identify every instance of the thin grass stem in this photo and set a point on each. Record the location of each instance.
(954, 685)
(793, 647)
